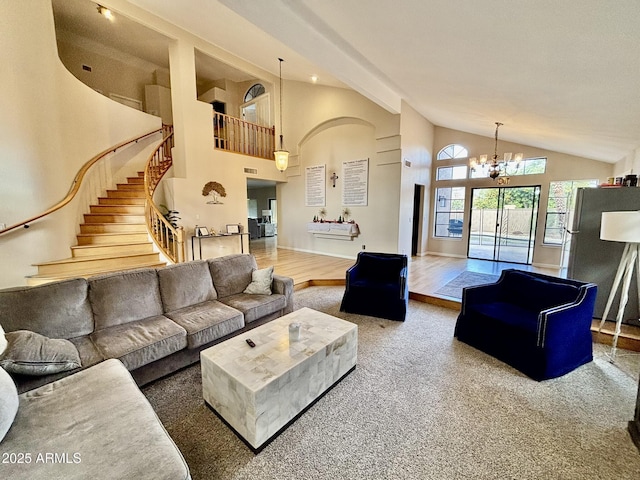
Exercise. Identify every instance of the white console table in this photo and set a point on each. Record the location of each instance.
(334, 231)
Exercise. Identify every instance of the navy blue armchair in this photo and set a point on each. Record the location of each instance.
(377, 286)
(538, 324)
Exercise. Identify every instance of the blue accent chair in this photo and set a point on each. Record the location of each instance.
(377, 286)
(538, 324)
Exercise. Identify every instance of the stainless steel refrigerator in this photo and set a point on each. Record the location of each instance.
(587, 258)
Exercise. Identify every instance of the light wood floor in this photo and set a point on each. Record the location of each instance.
(426, 276)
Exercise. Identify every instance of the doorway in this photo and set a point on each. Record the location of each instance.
(418, 198)
(503, 223)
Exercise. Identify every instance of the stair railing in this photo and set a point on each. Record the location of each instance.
(77, 181)
(168, 238)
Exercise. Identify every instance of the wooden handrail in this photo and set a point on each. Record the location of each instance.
(75, 185)
(169, 239)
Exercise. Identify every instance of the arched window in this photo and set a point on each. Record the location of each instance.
(452, 151)
(255, 91)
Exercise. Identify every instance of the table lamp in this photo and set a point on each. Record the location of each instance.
(621, 227)
(266, 216)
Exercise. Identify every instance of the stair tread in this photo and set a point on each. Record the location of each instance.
(108, 234)
(111, 223)
(93, 257)
(119, 244)
(119, 214)
(89, 273)
(115, 214)
(121, 199)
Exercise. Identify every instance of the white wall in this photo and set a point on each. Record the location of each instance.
(630, 164)
(560, 166)
(50, 125)
(108, 75)
(196, 161)
(417, 155)
(327, 126)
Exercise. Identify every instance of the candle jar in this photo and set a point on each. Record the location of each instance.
(631, 180)
(294, 332)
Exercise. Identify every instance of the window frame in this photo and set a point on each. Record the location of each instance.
(446, 195)
(452, 168)
(457, 152)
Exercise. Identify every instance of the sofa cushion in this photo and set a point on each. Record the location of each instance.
(207, 322)
(140, 342)
(508, 314)
(123, 297)
(185, 284)
(56, 310)
(260, 282)
(101, 420)
(255, 306)
(89, 356)
(232, 273)
(540, 293)
(8, 402)
(29, 353)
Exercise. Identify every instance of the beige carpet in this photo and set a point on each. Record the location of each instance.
(421, 405)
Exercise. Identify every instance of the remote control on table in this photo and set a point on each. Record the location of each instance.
(250, 342)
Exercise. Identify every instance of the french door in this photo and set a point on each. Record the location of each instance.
(503, 223)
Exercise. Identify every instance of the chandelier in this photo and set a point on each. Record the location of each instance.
(281, 155)
(496, 168)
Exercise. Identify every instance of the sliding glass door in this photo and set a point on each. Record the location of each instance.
(503, 223)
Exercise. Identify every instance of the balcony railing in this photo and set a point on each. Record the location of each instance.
(235, 135)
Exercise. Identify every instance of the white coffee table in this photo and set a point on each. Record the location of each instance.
(259, 391)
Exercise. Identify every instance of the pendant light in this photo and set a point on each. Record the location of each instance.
(497, 167)
(281, 155)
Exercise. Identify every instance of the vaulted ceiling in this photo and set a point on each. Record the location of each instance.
(560, 75)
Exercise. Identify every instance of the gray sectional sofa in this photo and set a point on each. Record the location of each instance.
(128, 327)
(154, 321)
(95, 424)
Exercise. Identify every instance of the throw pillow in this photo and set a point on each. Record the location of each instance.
(3, 340)
(8, 402)
(260, 282)
(29, 353)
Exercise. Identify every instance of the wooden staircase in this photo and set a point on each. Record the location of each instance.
(113, 237)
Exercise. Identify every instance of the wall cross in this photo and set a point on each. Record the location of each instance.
(334, 177)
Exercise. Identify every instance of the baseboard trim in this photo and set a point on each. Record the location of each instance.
(316, 252)
(442, 254)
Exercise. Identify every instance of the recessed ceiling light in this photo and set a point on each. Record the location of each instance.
(314, 78)
(105, 12)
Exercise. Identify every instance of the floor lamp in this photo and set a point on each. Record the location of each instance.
(621, 227)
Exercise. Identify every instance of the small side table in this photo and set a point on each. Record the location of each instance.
(201, 237)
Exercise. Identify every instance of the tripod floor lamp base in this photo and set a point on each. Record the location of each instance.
(621, 227)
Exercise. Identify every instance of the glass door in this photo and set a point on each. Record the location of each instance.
(503, 223)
